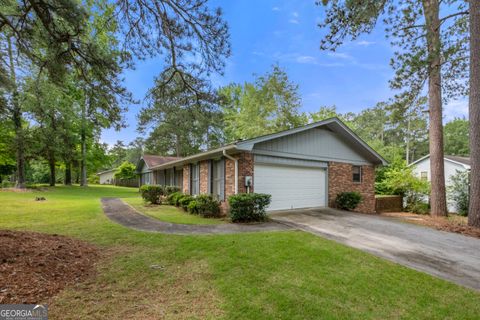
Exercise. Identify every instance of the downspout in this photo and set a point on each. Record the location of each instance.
(236, 168)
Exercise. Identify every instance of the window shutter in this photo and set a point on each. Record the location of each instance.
(209, 177)
(190, 177)
(222, 179)
(197, 177)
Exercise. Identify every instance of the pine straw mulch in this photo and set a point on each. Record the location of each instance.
(452, 223)
(36, 266)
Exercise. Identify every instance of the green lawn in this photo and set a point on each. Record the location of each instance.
(169, 213)
(275, 275)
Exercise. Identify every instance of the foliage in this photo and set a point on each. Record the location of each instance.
(151, 194)
(270, 104)
(172, 198)
(94, 179)
(205, 205)
(184, 200)
(456, 137)
(184, 119)
(348, 200)
(125, 171)
(459, 191)
(246, 207)
(399, 179)
(168, 190)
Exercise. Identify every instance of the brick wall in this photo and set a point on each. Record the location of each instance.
(186, 179)
(340, 180)
(204, 176)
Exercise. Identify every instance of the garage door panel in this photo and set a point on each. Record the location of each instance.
(290, 187)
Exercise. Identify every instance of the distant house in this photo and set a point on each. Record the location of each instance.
(300, 168)
(146, 175)
(107, 177)
(452, 164)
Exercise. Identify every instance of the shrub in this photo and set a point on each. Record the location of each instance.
(126, 171)
(184, 201)
(418, 206)
(8, 184)
(348, 200)
(248, 206)
(152, 194)
(171, 189)
(458, 191)
(207, 206)
(172, 198)
(192, 207)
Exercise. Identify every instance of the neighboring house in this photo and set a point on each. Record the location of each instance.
(107, 177)
(300, 168)
(146, 175)
(451, 164)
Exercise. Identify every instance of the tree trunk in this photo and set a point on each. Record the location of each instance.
(83, 138)
(68, 173)
(177, 146)
(51, 165)
(474, 114)
(17, 122)
(438, 200)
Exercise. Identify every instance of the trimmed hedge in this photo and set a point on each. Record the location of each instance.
(204, 205)
(348, 200)
(172, 199)
(152, 194)
(168, 190)
(246, 207)
(184, 201)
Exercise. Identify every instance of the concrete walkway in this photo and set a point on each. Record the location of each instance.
(119, 212)
(450, 256)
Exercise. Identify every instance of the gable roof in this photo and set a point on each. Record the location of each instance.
(464, 161)
(151, 160)
(334, 124)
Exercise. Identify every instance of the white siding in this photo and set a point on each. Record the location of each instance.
(106, 177)
(450, 170)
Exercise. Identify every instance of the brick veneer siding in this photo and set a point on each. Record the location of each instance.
(186, 179)
(204, 179)
(340, 180)
(245, 168)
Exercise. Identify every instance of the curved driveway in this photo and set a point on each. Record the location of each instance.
(118, 211)
(451, 256)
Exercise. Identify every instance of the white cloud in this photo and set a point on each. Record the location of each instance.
(275, 9)
(295, 14)
(294, 21)
(456, 109)
(340, 55)
(365, 43)
(306, 59)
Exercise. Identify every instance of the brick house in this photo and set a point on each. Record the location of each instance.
(300, 168)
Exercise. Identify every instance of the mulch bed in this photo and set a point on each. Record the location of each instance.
(36, 266)
(454, 224)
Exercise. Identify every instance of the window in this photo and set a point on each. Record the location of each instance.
(357, 174)
(195, 181)
(424, 175)
(217, 178)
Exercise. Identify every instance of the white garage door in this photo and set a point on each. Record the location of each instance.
(290, 187)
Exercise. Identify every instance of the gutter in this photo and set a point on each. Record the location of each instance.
(236, 168)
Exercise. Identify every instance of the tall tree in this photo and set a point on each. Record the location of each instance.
(424, 54)
(268, 105)
(185, 119)
(474, 114)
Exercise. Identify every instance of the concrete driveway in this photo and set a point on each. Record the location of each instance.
(446, 255)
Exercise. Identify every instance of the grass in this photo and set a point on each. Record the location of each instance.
(273, 275)
(169, 213)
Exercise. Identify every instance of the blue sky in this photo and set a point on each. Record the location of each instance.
(266, 32)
